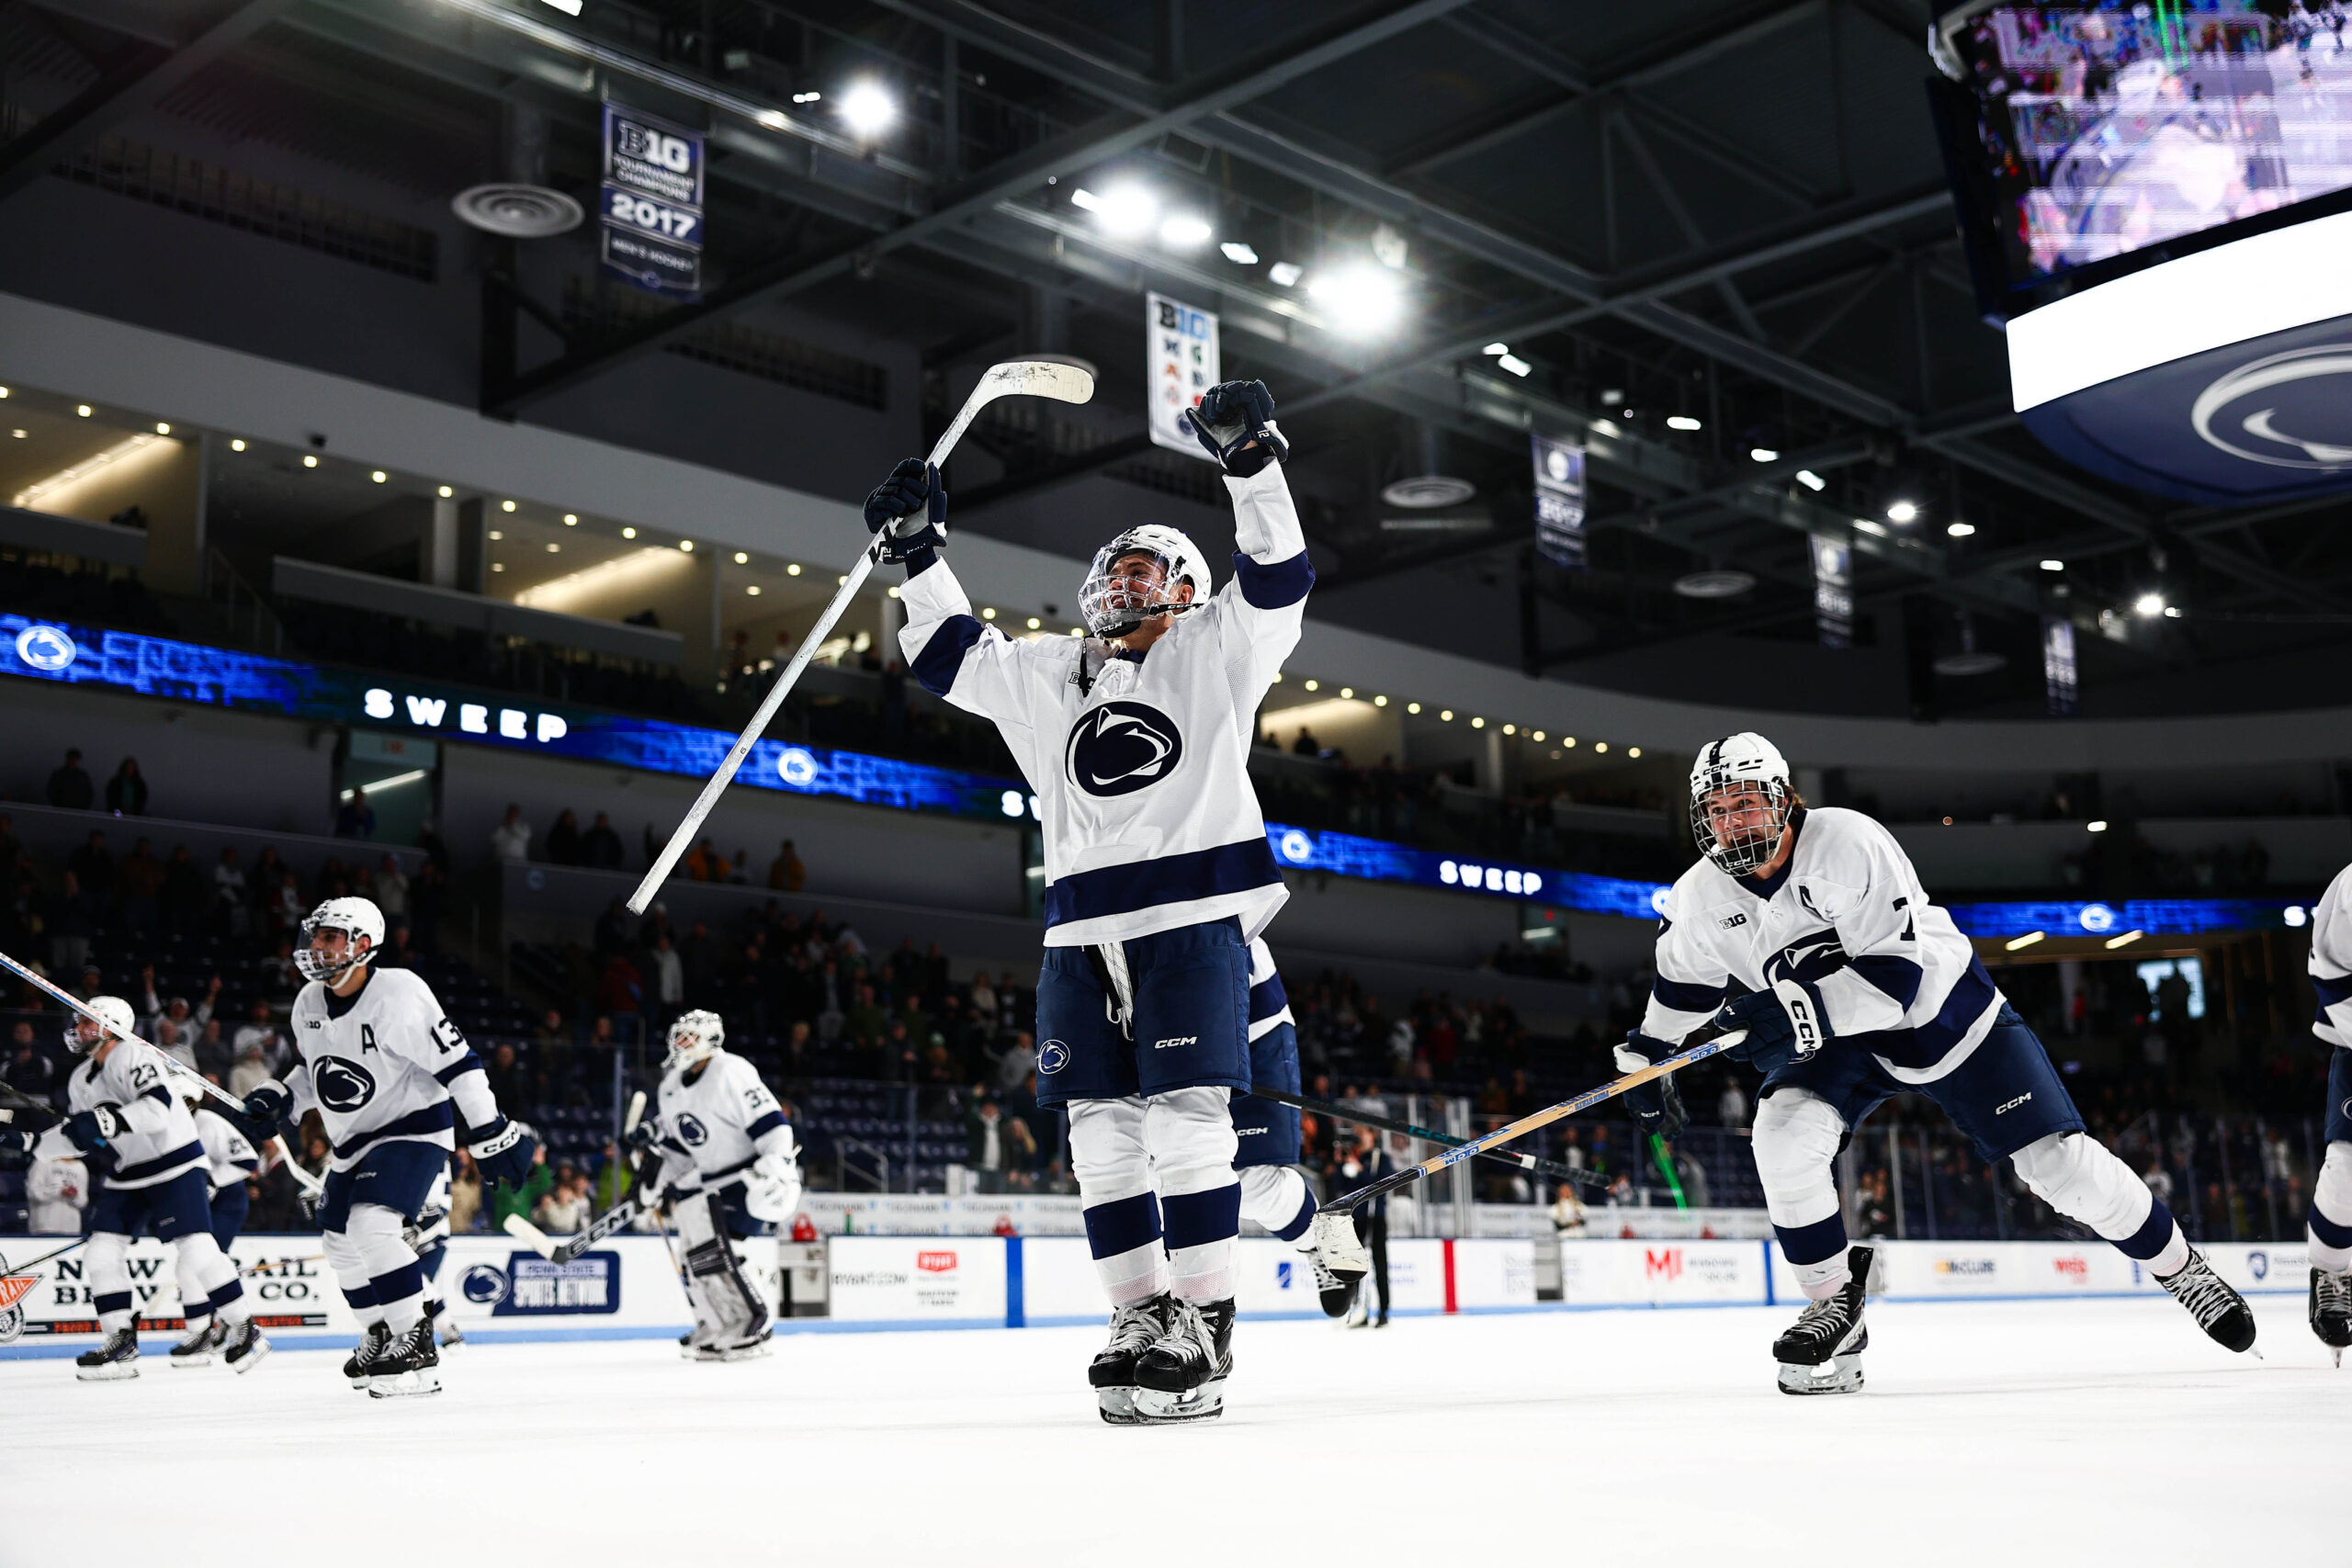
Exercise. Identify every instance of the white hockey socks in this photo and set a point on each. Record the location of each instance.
(1275, 1197)
(1190, 1134)
(2076, 1174)
(2331, 1217)
(209, 1281)
(1114, 1173)
(109, 1270)
(1796, 1137)
(392, 1274)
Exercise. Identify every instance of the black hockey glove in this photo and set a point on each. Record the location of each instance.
(912, 489)
(93, 1129)
(643, 1136)
(504, 1153)
(1771, 1042)
(268, 1105)
(1657, 1104)
(1235, 422)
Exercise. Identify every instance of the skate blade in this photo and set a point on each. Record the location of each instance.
(203, 1360)
(253, 1357)
(1117, 1407)
(404, 1385)
(1843, 1375)
(1155, 1407)
(114, 1371)
(453, 1342)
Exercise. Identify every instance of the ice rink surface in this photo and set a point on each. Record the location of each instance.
(2080, 1431)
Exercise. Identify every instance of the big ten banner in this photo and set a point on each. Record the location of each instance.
(2058, 678)
(287, 1287)
(918, 1279)
(1833, 591)
(652, 214)
(1559, 501)
(1181, 347)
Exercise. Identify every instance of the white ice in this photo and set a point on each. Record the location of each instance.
(2087, 1432)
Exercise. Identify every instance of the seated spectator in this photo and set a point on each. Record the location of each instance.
(564, 1209)
(704, 863)
(600, 846)
(69, 787)
(562, 845)
(786, 873)
(510, 841)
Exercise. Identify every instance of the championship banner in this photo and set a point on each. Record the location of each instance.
(2058, 677)
(1833, 591)
(1181, 347)
(650, 213)
(1559, 501)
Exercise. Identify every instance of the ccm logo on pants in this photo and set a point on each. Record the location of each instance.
(2013, 1104)
(1179, 1040)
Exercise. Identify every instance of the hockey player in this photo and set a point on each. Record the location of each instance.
(1265, 1132)
(390, 1078)
(122, 1101)
(229, 1159)
(2331, 1215)
(1810, 929)
(1158, 874)
(721, 1152)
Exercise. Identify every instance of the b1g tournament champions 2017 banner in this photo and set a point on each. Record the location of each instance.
(1559, 501)
(1179, 345)
(650, 215)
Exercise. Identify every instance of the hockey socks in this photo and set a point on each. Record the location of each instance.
(1201, 1227)
(1276, 1198)
(2331, 1215)
(1125, 1237)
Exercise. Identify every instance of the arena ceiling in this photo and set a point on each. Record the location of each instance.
(1728, 216)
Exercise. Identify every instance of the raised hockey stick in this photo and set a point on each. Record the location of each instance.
(1536, 1163)
(8, 1268)
(41, 982)
(1348, 1203)
(1067, 381)
(597, 1229)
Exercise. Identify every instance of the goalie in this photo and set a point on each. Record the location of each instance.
(721, 1155)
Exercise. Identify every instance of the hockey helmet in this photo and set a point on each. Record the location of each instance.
(1740, 799)
(1113, 603)
(360, 922)
(83, 1036)
(693, 1039)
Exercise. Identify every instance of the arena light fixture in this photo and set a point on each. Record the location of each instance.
(743, 560)
(1282, 274)
(687, 546)
(890, 592)
(1445, 715)
(495, 535)
(1477, 722)
(2018, 943)
(1380, 702)
(1239, 252)
(1961, 530)
(988, 614)
(808, 98)
(1347, 692)
(2099, 826)
(83, 409)
(1123, 209)
(553, 548)
(1864, 525)
(753, 590)
(162, 427)
(379, 475)
(569, 7)
(2053, 564)
(2149, 604)
(3, 392)
(238, 445)
(1515, 365)
(571, 520)
(1536, 736)
(1495, 350)
(1682, 421)
(445, 492)
(1034, 623)
(867, 109)
(1366, 298)
(793, 570)
(1600, 746)
(1510, 729)
(20, 432)
(1569, 742)
(1312, 685)
(1762, 454)
(1901, 512)
(1812, 480)
(1184, 231)
(1634, 752)
(505, 506)
(309, 461)
(31, 494)
(1412, 708)
(628, 532)
(2126, 940)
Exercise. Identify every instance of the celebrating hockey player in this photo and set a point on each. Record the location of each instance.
(2331, 1215)
(721, 1153)
(1809, 929)
(121, 1102)
(1158, 874)
(390, 1078)
(1265, 1132)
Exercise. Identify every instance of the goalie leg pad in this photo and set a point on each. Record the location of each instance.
(736, 1312)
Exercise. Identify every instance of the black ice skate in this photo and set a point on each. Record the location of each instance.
(743, 1347)
(1135, 1329)
(1335, 1293)
(1182, 1377)
(1821, 1352)
(242, 1346)
(2331, 1310)
(407, 1366)
(196, 1350)
(2220, 1311)
(371, 1344)
(115, 1359)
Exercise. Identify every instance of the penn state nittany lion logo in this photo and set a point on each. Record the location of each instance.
(691, 1129)
(1052, 1057)
(484, 1284)
(342, 1085)
(1121, 748)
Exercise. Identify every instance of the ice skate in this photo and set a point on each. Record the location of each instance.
(243, 1346)
(1821, 1351)
(408, 1365)
(1134, 1330)
(2331, 1310)
(1182, 1377)
(452, 1338)
(116, 1357)
(371, 1344)
(2220, 1311)
(195, 1350)
(742, 1348)
(1339, 1248)
(1334, 1293)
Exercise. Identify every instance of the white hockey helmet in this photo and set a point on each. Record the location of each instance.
(81, 1036)
(693, 1039)
(359, 920)
(1746, 836)
(1111, 607)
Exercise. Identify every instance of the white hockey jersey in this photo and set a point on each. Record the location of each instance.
(159, 1141)
(384, 1064)
(1140, 767)
(713, 1128)
(2331, 961)
(229, 1156)
(1846, 920)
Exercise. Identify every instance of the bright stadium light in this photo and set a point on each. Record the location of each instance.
(867, 109)
(1812, 480)
(1366, 299)
(1902, 510)
(1239, 252)
(1185, 231)
(1123, 209)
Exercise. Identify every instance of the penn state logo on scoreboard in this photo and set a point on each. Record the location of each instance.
(342, 1085)
(1121, 748)
(690, 1128)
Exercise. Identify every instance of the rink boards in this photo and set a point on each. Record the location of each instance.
(628, 1288)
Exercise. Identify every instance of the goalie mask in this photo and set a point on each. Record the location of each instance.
(362, 925)
(1115, 601)
(693, 1040)
(81, 1036)
(1740, 799)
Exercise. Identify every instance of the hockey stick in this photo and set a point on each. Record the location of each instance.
(302, 1178)
(1067, 381)
(1536, 1162)
(596, 1230)
(1349, 1202)
(8, 1268)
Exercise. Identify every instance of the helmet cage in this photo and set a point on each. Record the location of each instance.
(1107, 603)
(1741, 853)
(694, 1039)
(114, 1018)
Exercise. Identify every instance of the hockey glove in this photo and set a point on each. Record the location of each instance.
(1771, 1042)
(1235, 421)
(912, 490)
(1657, 1104)
(93, 1129)
(643, 1136)
(268, 1105)
(504, 1153)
